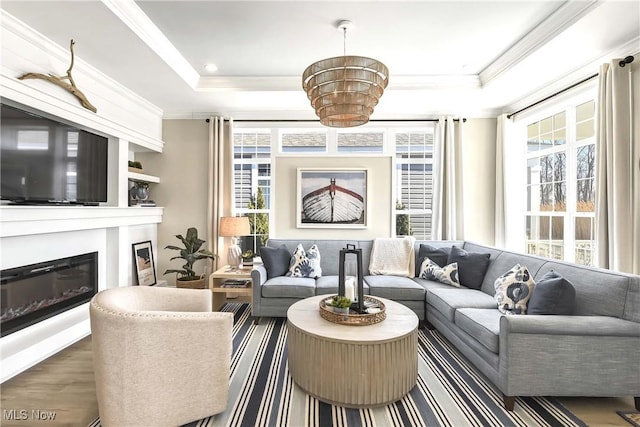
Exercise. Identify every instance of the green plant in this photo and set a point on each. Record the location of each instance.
(247, 254)
(136, 165)
(259, 222)
(340, 302)
(191, 253)
(403, 226)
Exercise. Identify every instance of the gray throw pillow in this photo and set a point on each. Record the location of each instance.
(275, 260)
(553, 294)
(437, 255)
(472, 266)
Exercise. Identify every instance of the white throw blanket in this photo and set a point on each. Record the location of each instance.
(393, 257)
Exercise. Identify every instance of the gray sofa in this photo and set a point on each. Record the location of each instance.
(593, 352)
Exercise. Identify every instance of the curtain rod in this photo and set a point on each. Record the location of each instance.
(553, 95)
(621, 63)
(464, 120)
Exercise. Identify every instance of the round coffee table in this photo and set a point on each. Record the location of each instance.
(353, 366)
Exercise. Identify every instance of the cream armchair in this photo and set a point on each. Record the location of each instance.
(161, 356)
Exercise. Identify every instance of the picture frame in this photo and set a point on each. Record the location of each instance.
(332, 198)
(143, 262)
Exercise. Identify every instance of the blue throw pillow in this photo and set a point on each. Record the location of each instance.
(275, 260)
(553, 294)
(437, 255)
(472, 266)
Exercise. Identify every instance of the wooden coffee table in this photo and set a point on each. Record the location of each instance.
(353, 366)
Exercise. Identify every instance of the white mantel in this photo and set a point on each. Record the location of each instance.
(32, 234)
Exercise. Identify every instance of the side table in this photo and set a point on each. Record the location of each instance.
(217, 278)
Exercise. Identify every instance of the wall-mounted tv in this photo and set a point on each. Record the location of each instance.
(45, 161)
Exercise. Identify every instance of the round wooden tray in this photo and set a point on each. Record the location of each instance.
(353, 318)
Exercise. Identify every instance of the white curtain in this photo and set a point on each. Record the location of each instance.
(220, 184)
(447, 222)
(500, 221)
(618, 172)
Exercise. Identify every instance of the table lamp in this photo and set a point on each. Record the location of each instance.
(234, 226)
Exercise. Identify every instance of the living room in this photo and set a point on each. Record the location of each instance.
(154, 107)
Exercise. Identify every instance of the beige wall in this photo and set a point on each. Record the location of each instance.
(379, 195)
(182, 168)
(479, 180)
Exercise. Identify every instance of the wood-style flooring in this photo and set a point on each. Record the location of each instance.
(64, 384)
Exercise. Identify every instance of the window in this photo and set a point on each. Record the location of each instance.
(252, 183)
(414, 181)
(410, 148)
(561, 185)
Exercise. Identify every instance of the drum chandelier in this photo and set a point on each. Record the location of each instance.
(344, 90)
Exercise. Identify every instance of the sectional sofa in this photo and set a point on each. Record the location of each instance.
(593, 351)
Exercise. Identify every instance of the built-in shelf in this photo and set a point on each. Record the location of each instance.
(134, 176)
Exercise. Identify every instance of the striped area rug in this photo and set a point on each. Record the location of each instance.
(450, 392)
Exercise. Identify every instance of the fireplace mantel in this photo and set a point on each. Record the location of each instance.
(29, 220)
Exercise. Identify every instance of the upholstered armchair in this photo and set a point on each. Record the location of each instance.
(161, 356)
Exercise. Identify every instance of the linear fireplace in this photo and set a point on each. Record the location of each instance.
(32, 293)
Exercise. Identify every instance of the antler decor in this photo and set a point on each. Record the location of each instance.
(60, 81)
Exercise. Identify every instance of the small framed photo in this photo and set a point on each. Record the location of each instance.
(332, 198)
(143, 260)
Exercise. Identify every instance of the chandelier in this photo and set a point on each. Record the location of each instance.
(344, 90)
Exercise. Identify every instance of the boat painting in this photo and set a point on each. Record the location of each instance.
(332, 198)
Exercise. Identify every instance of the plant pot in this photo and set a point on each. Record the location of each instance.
(247, 262)
(192, 284)
(341, 310)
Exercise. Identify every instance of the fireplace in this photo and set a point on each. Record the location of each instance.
(32, 293)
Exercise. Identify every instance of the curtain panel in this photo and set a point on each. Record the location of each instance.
(447, 222)
(220, 185)
(618, 171)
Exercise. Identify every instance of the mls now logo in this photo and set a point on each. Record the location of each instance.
(23, 415)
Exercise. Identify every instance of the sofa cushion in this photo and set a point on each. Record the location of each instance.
(471, 266)
(503, 261)
(437, 255)
(447, 274)
(482, 324)
(275, 260)
(289, 287)
(305, 264)
(448, 300)
(553, 294)
(395, 287)
(513, 290)
(329, 285)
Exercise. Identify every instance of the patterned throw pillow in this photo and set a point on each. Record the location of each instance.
(305, 264)
(513, 290)
(448, 274)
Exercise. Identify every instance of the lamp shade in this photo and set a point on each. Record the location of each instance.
(233, 226)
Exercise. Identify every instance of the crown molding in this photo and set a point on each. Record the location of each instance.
(563, 18)
(134, 18)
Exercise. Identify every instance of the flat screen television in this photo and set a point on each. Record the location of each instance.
(43, 161)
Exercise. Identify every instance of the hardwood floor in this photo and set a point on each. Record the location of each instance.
(64, 384)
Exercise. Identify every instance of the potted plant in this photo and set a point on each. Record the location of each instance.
(247, 258)
(191, 252)
(135, 166)
(340, 304)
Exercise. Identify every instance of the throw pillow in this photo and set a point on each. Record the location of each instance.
(437, 255)
(513, 290)
(275, 260)
(448, 274)
(301, 266)
(314, 259)
(472, 266)
(553, 295)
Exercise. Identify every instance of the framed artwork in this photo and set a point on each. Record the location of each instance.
(331, 198)
(143, 260)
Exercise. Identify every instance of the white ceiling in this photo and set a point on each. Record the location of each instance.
(467, 58)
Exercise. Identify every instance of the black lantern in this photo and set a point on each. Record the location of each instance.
(350, 279)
